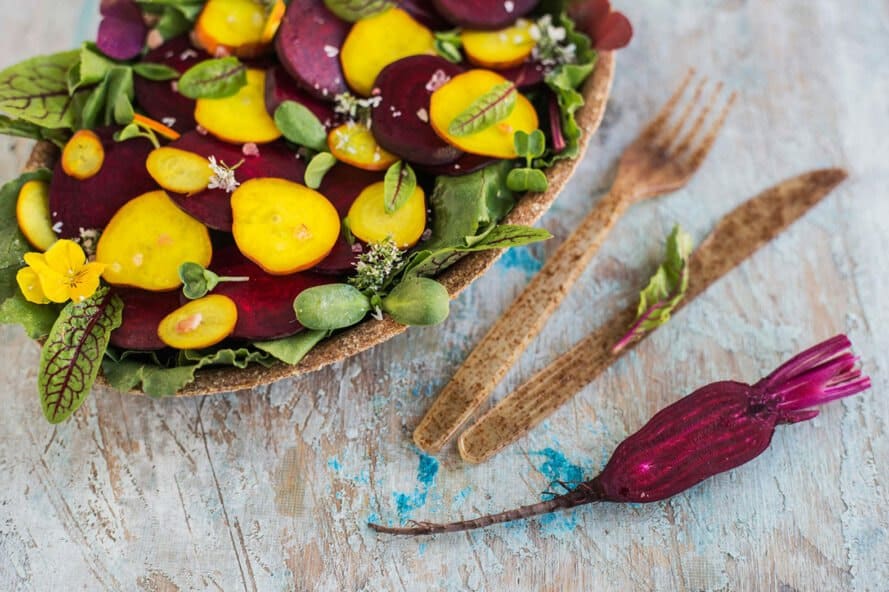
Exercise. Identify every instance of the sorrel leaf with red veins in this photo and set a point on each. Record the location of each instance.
(72, 355)
(36, 90)
(664, 291)
(353, 10)
(213, 79)
(399, 184)
(493, 106)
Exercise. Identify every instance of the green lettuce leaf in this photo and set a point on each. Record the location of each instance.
(291, 350)
(36, 90)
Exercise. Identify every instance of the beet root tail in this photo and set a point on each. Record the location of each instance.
(585, 493)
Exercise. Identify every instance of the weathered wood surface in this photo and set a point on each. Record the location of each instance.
(270, 490)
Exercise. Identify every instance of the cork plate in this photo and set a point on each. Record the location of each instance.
(529, 209)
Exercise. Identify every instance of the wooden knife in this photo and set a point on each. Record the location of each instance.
(737, 236)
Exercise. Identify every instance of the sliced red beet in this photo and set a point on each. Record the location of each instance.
(342, 185)
(158, 98)
(213, 206)
(280, 86)
(308, 44)
(90, 204)
(468, 163)
(265, 302)
(142, 313)
(424, 12)
(401, 120)
(525, 75)
(122, 31)
(484, 14)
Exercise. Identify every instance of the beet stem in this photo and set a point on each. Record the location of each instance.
(585, 493)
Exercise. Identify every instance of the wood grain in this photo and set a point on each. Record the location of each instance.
(271, 489)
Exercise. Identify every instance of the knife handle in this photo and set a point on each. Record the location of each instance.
(507, 339)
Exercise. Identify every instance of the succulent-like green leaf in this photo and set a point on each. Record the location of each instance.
(300, 126)
(72, 354)
(317, 168)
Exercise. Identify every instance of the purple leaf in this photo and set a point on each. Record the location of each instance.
(122, 31)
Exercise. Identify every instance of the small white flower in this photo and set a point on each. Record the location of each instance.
(223, 176)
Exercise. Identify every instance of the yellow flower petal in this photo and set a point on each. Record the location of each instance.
(55, 286)
(29, 284)
(86, 283)
(65, 257)
(35, 260)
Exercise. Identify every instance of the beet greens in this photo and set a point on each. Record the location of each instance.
(716, 428)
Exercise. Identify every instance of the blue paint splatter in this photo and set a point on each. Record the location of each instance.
(521, 259)
(334, 463)
(421, 549)
(556, 467)
(461, 497)
(408, 502)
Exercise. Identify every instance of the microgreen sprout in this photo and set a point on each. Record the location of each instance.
(529, 147)
(198, 281)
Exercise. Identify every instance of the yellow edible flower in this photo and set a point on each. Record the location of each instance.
(63, 272)
(29, 284)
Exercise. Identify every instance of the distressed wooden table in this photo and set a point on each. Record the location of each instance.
(270, 490)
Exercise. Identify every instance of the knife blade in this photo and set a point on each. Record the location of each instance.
(736, 237)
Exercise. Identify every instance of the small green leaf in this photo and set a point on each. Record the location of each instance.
(198, 281)
(36, 319)
(73, 352)
(504, 236)
(119, 97)
(353, 10)
(331, 306)
(213, 79)
(526, 179)
(291, 350)
(493, 106)
(664, 291)
(154, 71)
(399, 184)
(300, 126)
(448, 44)
(317, 168)
(529, 146)
(418, 301)
(93, 66)
(128, 133)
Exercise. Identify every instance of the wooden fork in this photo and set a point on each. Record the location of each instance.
(662, 159)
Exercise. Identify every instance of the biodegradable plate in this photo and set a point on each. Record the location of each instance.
(364, 336)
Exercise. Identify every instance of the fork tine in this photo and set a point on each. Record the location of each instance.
(683, 118)
(660, 119)
(685, 144)
(700, 154)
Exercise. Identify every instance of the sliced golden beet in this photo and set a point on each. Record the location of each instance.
(499, 49)
(369, 221)
(147, 240)
(353, 143)
(232, 27)
(242, 117)
(199, 323)
(458, 94)
(32, 214)
(377, 41)
(273, 22)
(83, 155)
(283, 227)
(179, 171)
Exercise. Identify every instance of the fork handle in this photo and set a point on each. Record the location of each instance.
(507, 339)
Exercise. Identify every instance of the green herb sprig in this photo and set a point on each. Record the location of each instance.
(197, 281)
(529, 147)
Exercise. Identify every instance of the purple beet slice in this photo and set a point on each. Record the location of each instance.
(159, 98)
(265, 302)
(142, 313)
(122, 31)
(90, 203)
(401, 120)
(341, 186)
(424, 12)
(213, 206)
(484, 14)
(280, 87)
(525, 75)
(308, 45)
(468, 163)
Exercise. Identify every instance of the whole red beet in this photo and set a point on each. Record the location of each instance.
(716, 428)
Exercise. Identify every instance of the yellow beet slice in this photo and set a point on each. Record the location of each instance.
(273, 22)
(232, 27)
(147, 240)
(83, 155)
(283, 227)
(353, 143)
(377, 41)
(458, 94)
(179, 171)
(499, 49)
(199, 323)
(369, 221)
(242, 117)
(32, 214)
